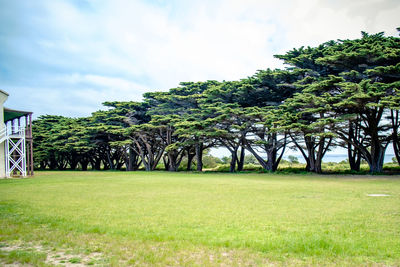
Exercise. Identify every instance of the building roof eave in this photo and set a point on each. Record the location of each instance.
(4, 92)
(10, 114)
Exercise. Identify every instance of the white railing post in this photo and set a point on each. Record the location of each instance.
(7, 150)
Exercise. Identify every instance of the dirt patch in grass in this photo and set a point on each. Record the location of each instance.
(156, 255)
(17, 254)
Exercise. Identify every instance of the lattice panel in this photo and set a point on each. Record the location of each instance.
(15, 151)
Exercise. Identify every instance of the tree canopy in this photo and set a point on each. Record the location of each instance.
(342, 93)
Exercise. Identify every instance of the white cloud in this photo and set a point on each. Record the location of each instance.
(102, 82)
(311, 22)
(116, 50)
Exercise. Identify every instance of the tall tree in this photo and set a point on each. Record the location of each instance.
(361, 96)
(264, 93)
(190, 127)
(262, 137)
(224, 105)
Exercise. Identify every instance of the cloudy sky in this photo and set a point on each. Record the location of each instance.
(66, 57)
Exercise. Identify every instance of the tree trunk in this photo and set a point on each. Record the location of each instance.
(84, 164)
(42, 165)
(147, 166)
(52, 164)
(97, 164)
(314, 157)
(174, 160)
(375, 161)
(278, 160)
(271, 149)
(119, 165)
(313, 163)
(73, 163)
(396, 147)
(377, 148)
(353, 152)
(271, 156)
(233, 161)
(374, 154)
(173, 167)
(241, 159)
(166, 162)
(321, 152)
(106, 166)
(199, 156)
(310, 151)
(260, 160)
(308, 165)
(395, 134)
(62, 165)
(109, 160)
(305, 156)
(354, 157)
(133, 160)
(190, 157)
(318, 166)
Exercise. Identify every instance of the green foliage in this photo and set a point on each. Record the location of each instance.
(350, 82)
(23, 257)
(210, 161)
(293, 159)
(340, 93)
(247, 167)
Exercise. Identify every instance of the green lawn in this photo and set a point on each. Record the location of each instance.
(160, 218)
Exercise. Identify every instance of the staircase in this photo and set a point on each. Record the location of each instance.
(15, 152)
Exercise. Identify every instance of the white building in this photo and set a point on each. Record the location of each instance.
(16, 143)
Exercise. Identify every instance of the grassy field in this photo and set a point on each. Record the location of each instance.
(203, 219)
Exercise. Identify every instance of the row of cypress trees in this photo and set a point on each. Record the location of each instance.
(343, 93)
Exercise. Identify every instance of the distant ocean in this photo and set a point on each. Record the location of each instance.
(338, 157)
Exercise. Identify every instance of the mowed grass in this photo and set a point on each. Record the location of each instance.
(161, 218)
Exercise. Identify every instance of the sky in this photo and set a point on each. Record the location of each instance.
(67, 57)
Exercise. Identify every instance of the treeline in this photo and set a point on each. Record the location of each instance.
(343, 93)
